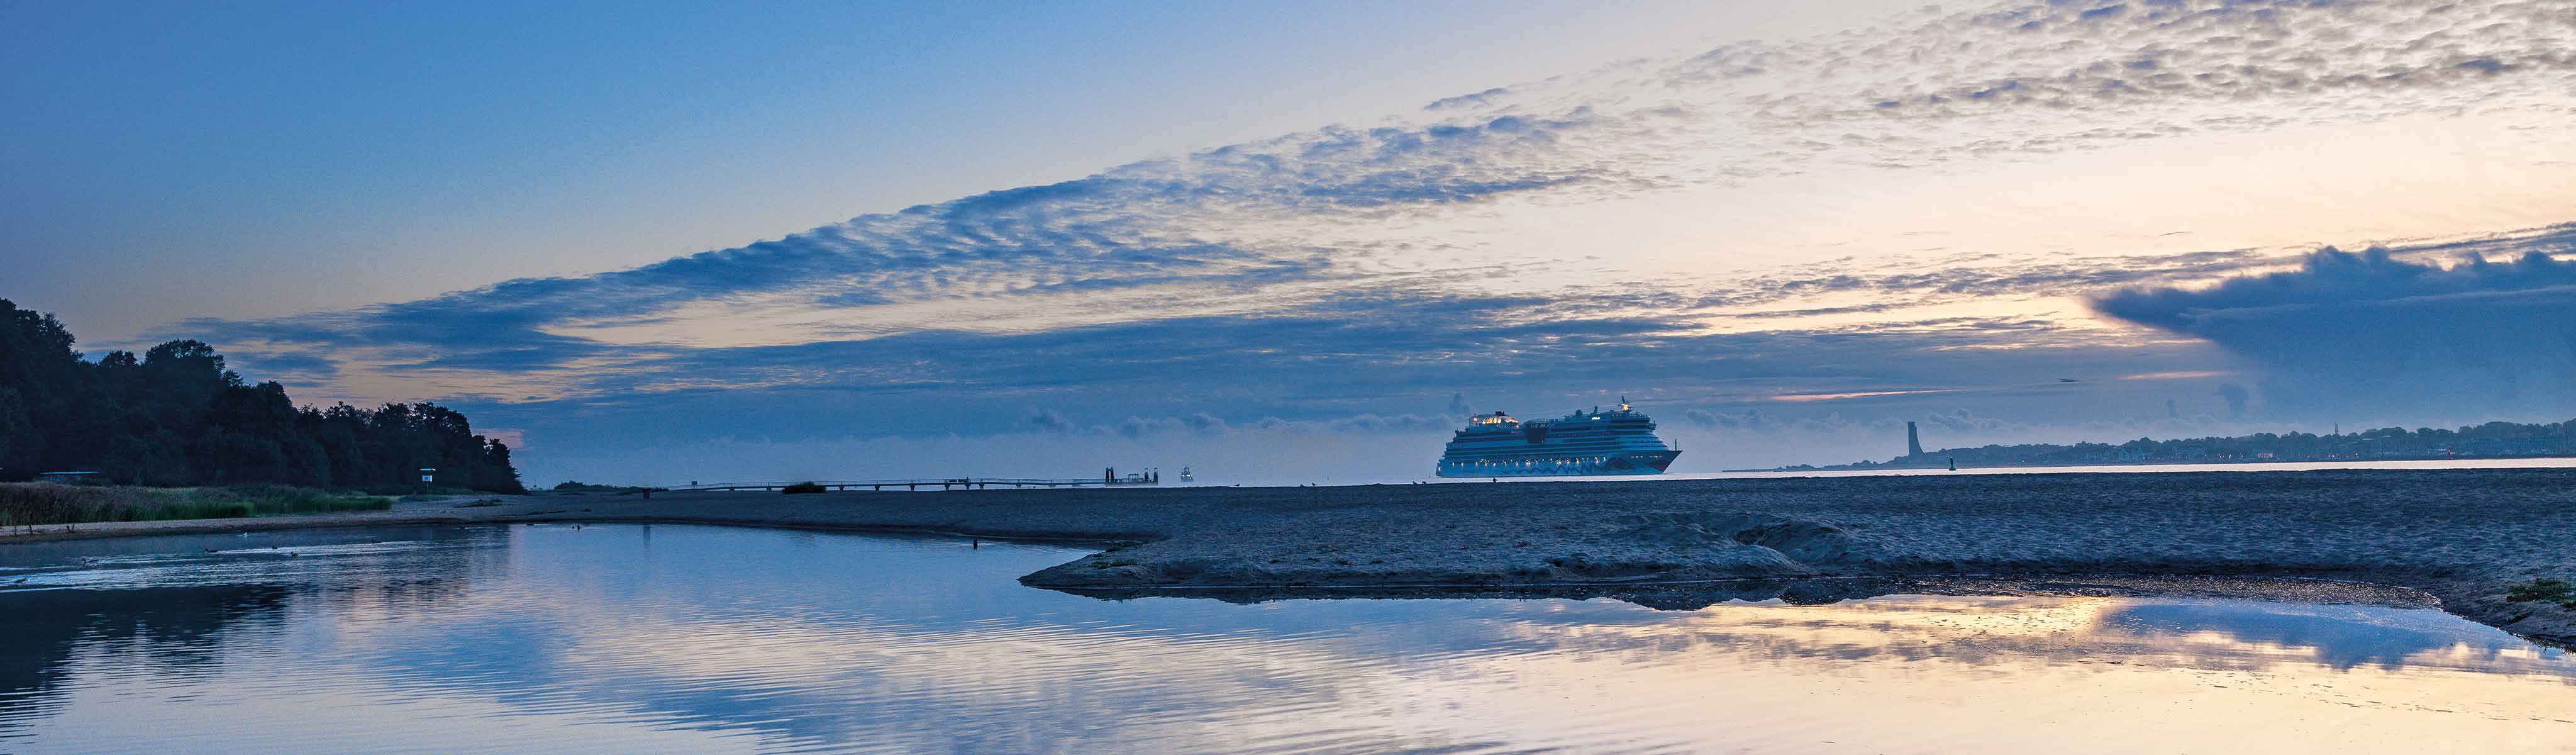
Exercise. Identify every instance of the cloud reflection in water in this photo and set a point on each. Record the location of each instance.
(661, 638)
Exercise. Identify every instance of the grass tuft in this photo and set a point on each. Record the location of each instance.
(2557, 591)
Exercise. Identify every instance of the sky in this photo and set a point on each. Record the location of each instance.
(1303, 242)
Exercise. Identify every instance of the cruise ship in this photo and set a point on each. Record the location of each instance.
(1616, 442)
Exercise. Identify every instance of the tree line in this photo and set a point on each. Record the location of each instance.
(2489, 440)
(176, 416)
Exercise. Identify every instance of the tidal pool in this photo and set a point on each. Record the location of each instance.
(660, 638)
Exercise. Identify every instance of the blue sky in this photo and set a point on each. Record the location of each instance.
(1301, 242)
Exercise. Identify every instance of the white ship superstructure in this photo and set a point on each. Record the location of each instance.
(1617, 442)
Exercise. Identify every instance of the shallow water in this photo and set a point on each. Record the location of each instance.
(665, 638)
(1218, 478)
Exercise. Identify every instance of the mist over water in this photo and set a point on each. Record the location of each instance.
(629, 638)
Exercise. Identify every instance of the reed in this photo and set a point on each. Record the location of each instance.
(37, 503)
(2557, 591)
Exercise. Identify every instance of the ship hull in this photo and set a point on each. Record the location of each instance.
(1627, 463)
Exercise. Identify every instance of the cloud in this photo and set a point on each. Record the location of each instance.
(2332, 277)
(1295, 361)
(1753, 420)
(2043, 78)
(282, 365)
(2347, 330)
(1957, 420)
(1468, 101)
(2053, 76)
(1964, 422)
(1048, 420)
(1392, 423)
(1163, 223)
(2236, 397)
(1204, 424)
(1319, 280)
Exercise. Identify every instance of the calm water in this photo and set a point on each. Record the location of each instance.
(1214, 477)
(2266, 466)
(705, 639)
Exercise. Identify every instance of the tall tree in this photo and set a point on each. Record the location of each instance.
(176, 415)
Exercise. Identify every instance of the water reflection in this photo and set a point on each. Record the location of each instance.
(2339, 637)
(172, 628)
(637, 638)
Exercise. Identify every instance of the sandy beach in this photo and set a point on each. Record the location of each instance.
(2463, 537)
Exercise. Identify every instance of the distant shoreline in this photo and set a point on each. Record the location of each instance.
(2465, 537)
(1944, 467)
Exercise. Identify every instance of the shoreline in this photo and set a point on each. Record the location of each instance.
(54, 533)
(2462, 537)
(2119, 467)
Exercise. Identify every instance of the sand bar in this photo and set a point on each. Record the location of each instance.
(2464, 537)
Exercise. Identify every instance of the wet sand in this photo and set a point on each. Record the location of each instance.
(2461, 536)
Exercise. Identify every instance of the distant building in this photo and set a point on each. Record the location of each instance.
(83, 477)
(1110, 476)
(1913, 442)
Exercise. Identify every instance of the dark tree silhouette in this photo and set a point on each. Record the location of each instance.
(177, 416)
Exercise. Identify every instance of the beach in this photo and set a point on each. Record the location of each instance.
(2461, 537)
